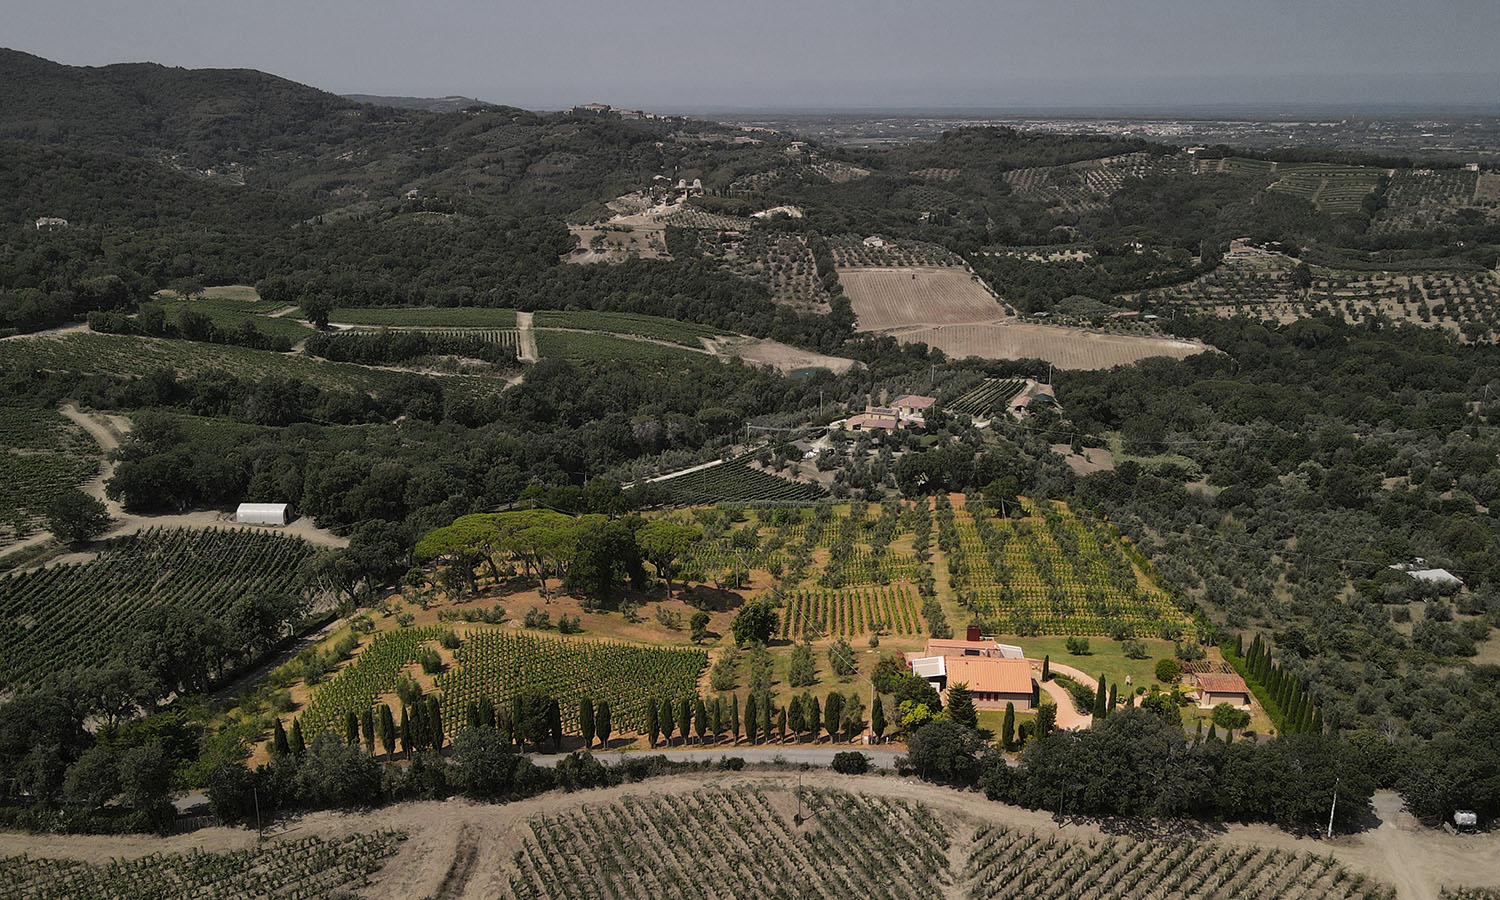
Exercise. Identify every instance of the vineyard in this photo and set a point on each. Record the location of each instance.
(858, 845)
(662, 846)
(652, 327)
(84, 613)
(850, 613)
(1008, 864)
(308, 867)
(1052, 572)
(1332, 188)
(736, 482)
(422, 316)
(505, 337)
(502, 664)
(584, 345)
(894, 298)
(43, 455)
(991, 398)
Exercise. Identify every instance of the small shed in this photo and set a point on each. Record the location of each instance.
(261, 514)
(1221, 687)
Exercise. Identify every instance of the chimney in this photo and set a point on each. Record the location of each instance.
(974, 634)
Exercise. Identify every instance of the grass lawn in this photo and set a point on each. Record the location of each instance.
(1105, 656)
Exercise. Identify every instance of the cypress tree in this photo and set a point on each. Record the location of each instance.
(486, 712)
(351, 728)
(715, 717)
(1239, 646)
(586, 721)
(435, 734)
(602, 724)
(418, 725)
(752, 721)
(734, 718)
(812, 714)
(471, 714)
(765, 716)
(685, 719)
(700, 718)
(1047, 667)
(279, 745)
(877, 718)
(295, 742)
(1007, 726)
(961, 706)
(554, 723)
(515, 718)
(1198, 736)
(1228, 736)
(1112, 697)
(1213, 732)
(1101, 694)
(387, 731)
(653, 730)
(781, 724)
(664, 719)
(794, 716)
(367, 727)
(833, 716)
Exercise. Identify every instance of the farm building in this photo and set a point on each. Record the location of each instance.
(1221, 687)
(913, 407)
(993, 680)
(874, 240)
(873, 421)
(50, 222)
(261, 514)
(974, 646)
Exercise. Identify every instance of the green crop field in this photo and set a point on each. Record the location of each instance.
(653, 327)
(124, 355)
(435, 316)
(305, 867)
(583, 346)
(499, 664)
(42, 454)
(85, 613)
(229, 314)
(736, 482)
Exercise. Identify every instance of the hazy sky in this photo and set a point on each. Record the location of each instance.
(676, 54)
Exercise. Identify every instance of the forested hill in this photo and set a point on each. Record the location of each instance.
(145, 106)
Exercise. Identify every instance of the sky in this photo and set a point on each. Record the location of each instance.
(687, 55)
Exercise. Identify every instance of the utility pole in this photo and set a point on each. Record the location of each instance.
(1333, 806)
(260, 832)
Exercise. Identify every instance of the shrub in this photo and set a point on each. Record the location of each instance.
(1136, 650)
(432, 662)
(1168, 671)
(449, 640)
(851, 762)
(1078, 646)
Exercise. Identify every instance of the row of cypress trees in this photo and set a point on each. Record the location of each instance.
(1294, 709)
(763, 719)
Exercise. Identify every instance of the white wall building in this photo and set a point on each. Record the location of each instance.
(261, 514)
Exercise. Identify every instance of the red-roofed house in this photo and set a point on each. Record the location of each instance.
(870, 421)
(1221, 687)
(913, 407)
(994, 680)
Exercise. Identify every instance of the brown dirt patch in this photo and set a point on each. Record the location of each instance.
(885, 298)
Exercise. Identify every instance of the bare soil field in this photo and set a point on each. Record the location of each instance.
(886, 298)
(1066, 348)
(459, 849)
(765, 352)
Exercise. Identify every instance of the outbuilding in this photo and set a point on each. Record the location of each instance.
(261, 514)
(1221, 687)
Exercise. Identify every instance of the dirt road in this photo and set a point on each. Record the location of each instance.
(526, 338)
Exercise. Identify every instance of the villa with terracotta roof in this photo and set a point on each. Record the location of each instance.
(913, 407)
(992, 676)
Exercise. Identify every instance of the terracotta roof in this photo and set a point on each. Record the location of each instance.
(871, 420)
(913, 401)
(989, 675)
(936, 646)
(1221, 683)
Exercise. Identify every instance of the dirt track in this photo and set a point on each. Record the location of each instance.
(481, 838)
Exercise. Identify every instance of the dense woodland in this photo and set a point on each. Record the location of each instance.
(1274, 479)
